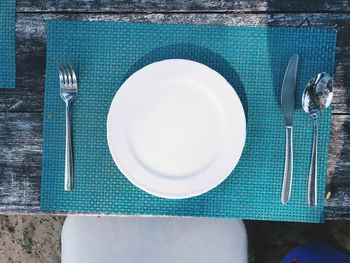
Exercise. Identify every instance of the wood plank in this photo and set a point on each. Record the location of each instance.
(30, 49)
(21, 192)
(21, 150)
(182, 6)
(338, 206)
(20, 161)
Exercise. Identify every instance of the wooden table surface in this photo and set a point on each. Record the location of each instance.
(21, 109)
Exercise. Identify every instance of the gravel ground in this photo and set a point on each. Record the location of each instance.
(27, 239)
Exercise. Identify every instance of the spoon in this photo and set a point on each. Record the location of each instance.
(317, 97)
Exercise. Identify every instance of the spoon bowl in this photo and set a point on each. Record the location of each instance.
(317, 96)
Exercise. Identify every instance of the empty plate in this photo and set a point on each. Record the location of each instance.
(176, 128)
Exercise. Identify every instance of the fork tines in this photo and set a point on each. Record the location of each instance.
(68, 78)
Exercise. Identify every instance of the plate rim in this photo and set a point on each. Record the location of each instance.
(151, 190)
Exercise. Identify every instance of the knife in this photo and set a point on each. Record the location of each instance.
(287, 105)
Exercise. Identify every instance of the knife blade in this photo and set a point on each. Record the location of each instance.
(287, 105)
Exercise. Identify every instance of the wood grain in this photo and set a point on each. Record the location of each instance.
(21, 109)
(20, 164)
(20, 161)
(149, 6)
(30, 50)
(338, 206)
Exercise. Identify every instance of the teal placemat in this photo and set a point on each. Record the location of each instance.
(252, 59)
(7, 44)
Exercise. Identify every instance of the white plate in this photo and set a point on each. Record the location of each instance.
(176, 128)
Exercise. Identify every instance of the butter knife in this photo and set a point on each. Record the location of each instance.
(287, 105)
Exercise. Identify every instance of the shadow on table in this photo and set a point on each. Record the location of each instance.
(275, 55)
(199, 54)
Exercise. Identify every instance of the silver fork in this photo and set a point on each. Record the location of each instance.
(68, 91)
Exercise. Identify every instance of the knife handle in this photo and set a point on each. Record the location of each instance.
(288, 166)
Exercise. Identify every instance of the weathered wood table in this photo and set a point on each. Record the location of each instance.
(21, 109)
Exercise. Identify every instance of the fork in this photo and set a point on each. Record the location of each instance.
(68, 91)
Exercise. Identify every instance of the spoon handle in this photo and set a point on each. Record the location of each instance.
(312, 191)
(288, 166)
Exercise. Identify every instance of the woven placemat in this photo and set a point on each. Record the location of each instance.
(252, 59)
(7, 44)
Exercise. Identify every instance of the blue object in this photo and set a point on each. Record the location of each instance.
(7, 44)
(252, 59)
(315, 253)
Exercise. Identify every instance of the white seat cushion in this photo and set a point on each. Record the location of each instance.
(91, 239)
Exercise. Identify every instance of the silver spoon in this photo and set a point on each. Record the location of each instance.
(317, 97)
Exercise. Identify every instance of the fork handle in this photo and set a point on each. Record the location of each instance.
(68, 172)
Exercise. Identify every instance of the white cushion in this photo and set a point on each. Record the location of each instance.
(91, 239)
